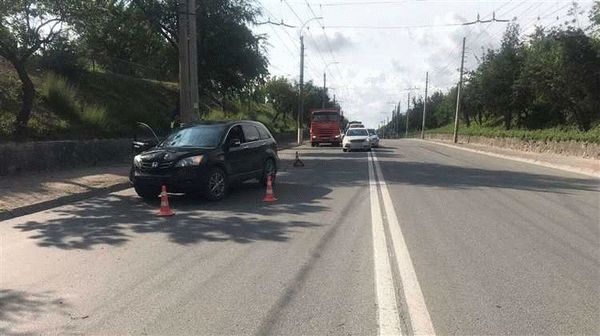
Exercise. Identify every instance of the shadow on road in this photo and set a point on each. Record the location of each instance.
(243, 218)
(16, 306)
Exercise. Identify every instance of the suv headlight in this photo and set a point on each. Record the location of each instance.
(190, 161)
(137, 161)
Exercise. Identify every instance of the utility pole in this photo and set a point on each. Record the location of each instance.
(301, 84)
(184, 87)
(398, 120)
(301, 92)
(462, 63)
(407, 110)
(424, 106)
(193, 59)
(188, 61)
(325, 82)
(324, 88)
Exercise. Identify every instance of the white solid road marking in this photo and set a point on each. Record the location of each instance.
(389, 319)
(417, 309)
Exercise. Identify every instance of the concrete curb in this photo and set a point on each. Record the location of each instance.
(570, 169)
(37, 207)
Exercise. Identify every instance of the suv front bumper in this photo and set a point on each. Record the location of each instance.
(177, 180)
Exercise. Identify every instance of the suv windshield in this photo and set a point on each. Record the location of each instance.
(197, 136)
(357, 132)
(325, 116)
(371, 131)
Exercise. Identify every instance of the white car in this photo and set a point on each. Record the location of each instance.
(373, 137)
(356, 139)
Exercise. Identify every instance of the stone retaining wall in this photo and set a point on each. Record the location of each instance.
(571, 148)
(17, 157)
(58, 155)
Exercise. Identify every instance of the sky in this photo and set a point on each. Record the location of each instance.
(378, 51)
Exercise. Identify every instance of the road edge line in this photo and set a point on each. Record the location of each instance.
(387, 305)
(566, 168)
(415, 301)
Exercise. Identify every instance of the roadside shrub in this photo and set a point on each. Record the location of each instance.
(548, 134)
(60, 97)
(94, 116)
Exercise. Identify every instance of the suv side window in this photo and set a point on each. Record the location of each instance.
(250, 133)
(264, 133)
(235, 133)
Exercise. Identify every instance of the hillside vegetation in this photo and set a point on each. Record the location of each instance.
(106, 105)
(91, 106)
(548, 134)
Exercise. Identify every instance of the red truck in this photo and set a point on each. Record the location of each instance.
(325, 127)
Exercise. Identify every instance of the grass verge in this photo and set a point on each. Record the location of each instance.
(549, 134)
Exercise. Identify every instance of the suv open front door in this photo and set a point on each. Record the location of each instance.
(144, 138)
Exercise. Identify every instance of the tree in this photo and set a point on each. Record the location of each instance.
(282, 95)
(595, 26)
(118, 38)
(230, 57)
(25, 26)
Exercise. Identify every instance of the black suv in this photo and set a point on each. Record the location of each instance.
(205, 158)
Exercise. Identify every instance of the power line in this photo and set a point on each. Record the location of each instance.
(395, 27)
(326, 39)
(444, 2)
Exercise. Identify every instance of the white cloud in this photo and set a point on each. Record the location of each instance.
(337, 42)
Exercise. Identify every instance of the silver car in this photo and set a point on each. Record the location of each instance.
(373, 137)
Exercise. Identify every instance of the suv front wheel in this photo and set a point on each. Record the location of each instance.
(216, 185)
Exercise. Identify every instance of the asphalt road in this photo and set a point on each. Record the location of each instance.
(417, 238)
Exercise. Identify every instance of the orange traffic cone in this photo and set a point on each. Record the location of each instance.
(269, 197)
(165, 210)
(298, 162)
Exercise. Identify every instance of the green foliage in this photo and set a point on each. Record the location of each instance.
(282, 96)
(548, 134)
(95, 116)
(26, 25)
(10, 93)
(117, 38)
(128, 100)
(62, 57)
(248, 110)
(60, 97)
(98, 105)
(139, 38)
